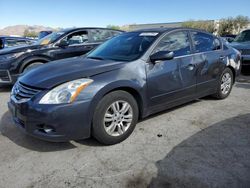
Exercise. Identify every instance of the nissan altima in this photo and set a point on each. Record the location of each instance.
(127, 78)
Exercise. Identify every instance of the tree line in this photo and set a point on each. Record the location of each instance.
(225, 26)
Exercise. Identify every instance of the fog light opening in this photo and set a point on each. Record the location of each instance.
(47, 129)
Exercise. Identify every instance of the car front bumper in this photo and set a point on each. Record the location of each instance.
(56, 123)
(6, 78)
(246, 60)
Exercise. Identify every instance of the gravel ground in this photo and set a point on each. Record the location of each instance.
(205, 143)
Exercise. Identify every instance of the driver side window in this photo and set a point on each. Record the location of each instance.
(177, 42)
(77, 38)
(1, 44)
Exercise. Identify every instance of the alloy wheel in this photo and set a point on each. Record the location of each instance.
(226, 83)
(118, 118)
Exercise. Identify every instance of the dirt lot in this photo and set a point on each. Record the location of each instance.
(205, 143)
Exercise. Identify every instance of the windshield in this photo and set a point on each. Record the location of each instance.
(125, 47)
(243, 37)
(50, 38)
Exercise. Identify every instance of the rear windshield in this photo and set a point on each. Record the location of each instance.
(125, 47)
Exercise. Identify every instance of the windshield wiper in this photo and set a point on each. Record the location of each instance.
(95, 57)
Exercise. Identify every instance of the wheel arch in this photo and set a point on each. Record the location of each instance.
(134, 93)
(28, 61)
(126, 86)
(233, 71)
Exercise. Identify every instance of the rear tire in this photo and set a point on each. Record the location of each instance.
(115, 117)
(225, 84)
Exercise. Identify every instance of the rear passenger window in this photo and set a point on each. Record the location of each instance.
(204, 42)
(99, 35)
(21, 42)
(177, 42)
(10, 43)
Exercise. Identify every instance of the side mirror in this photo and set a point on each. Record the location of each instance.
(62, 44)
(230, 40)
(161, 56)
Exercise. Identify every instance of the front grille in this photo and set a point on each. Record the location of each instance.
(24, 92)
(245, 52)
(4, 76)
(246, 62)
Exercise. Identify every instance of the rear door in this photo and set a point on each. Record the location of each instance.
(209, 57)
(172, 80)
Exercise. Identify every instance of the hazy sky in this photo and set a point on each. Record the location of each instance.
(68, 13)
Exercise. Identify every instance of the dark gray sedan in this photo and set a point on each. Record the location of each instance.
(125, 79)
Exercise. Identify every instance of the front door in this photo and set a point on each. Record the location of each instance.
(77, 44)
(172, 80)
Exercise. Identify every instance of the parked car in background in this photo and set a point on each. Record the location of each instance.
(242, 43)
(128, 77)
(9, 41)
(229, 38)
(57, 45)
(43, 34)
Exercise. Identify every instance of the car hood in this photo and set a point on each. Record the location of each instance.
(240, 45)
(54, 73)
(18, 49)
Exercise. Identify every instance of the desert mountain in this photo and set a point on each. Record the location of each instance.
(19, 29)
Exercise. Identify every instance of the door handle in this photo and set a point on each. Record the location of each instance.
(222, 58)
(191, 66)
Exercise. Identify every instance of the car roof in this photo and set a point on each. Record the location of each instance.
(87, 28)
(168, 29)
(12, 37)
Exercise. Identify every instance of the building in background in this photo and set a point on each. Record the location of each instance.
(154, 25)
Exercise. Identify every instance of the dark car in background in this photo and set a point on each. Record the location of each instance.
(9, 41)
(229, 38)
(57, 45)
(242, 43)
(128, 77)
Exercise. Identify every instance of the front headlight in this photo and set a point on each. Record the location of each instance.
(65, 93)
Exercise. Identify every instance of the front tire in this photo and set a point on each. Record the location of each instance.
(115, 117)
(225, 85)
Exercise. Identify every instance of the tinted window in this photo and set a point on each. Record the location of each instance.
(29, 42)
(10, 43)
(99, 35)
(176, 42)
(204, 42)
(1, 44)
(216, 44)
(77, 38)
(243, 36)
(125, 47)
(51, 38)
(21, 42)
